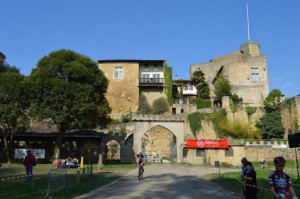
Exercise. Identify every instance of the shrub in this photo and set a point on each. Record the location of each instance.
(126, 118)
(160, 106)
(233, 108)
(201, 103)
(144, 107)
(122, 129)
(236, 99)
(235, 129)
(115, 121)
(250, 110)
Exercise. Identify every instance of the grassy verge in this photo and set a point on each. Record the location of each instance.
(231, 181)
(21, 189)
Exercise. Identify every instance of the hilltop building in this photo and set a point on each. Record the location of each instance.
(246, 70)
(183, 92)
(129, 79)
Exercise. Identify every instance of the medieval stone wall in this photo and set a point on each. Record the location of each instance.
(290, 113)
(258, 153)
(151, 94)
(122, 94)
(124, 152)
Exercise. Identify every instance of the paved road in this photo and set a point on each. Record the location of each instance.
(163, 181)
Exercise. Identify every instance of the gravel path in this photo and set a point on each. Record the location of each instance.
(164, 181)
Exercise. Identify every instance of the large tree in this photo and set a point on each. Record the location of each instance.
(273, 101)
(271, 126)
(198, 79)
(13, 107)
(69, 89)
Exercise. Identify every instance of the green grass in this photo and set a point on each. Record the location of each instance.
(230, 181)
(21, 189)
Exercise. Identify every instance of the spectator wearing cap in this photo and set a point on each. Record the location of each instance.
(244, 169)
(251, 188)
(29, 162)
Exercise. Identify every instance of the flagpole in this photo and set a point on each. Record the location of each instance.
(248, 25)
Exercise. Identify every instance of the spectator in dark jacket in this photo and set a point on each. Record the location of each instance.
(29, 162)
(250, 182)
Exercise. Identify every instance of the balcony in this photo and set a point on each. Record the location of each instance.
(190, 92)
(151, 82)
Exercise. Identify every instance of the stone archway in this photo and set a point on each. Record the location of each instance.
(113, 150)
(159, 142)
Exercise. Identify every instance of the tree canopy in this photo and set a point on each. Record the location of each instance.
(69, 89)
(222, 88)
(273, 100)
(13, 107)
(5, 67)
(271, 126)
(198, 79)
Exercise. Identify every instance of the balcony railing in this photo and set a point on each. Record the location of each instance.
(151, 82)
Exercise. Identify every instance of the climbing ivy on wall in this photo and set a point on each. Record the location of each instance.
(221, 125)
(195, 120)
(168, 84)
(289, 103)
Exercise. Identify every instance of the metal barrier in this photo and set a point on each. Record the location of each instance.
(57, 180)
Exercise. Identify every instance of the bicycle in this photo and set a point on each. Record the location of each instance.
(140, 173)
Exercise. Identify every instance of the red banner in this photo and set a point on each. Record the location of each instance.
(207, 144)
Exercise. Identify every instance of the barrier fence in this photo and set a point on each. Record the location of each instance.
(57, 180)
(264, 188)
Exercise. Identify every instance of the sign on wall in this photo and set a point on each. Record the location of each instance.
(38, 153)
(207, 144)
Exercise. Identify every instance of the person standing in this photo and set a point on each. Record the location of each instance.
(244, 169)
(29, 162)
(280, 182)
(251, 188)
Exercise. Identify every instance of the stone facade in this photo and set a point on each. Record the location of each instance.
(157, 142)
(123, 92)
(245, 69)
(152, 94)
(116, 147)
(290, 113)
(128, 79)
(159, 135)
(183, 108)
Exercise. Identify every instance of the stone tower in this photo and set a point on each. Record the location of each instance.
(246, 70)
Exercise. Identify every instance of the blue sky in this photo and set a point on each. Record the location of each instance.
(181, 32)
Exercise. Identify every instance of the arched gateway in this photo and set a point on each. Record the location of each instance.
(159, 135)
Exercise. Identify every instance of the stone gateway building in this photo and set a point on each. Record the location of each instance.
(246, 70)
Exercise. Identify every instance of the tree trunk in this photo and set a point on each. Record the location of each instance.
(58, 144)
(6, 147)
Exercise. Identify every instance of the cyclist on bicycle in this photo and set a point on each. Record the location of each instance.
(280, 182)
(141, 161)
